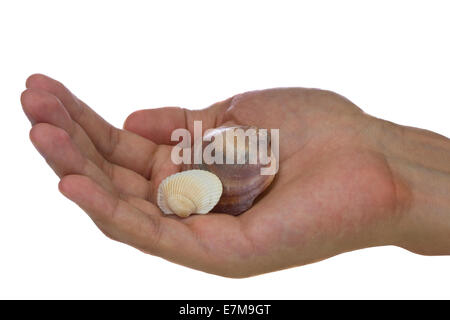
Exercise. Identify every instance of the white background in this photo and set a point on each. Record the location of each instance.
(389, 57)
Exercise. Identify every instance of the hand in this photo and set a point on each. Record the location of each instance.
(338, 187)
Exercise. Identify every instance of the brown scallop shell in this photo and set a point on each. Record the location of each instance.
(242, 183)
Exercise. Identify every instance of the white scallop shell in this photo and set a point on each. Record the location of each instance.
(187, 192)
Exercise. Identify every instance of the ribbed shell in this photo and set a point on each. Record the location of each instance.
(187, 192)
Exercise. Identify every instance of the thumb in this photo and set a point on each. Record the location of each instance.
(158, 124)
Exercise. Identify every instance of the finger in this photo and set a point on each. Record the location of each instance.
(63, 156)
(119, 220)
(121, 147)
(41, 106)
(114, 217)
(214, 243)
(157, 125)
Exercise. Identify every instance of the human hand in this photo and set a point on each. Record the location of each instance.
(338, 187)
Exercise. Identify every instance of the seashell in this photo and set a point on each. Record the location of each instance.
(187, 192)
(242, 183)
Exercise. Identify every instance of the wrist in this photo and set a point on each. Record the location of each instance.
(420, 164)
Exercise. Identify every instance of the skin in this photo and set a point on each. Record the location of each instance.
(346, 181)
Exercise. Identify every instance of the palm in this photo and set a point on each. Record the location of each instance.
(331, 189)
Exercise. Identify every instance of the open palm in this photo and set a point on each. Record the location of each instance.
(334, 191)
